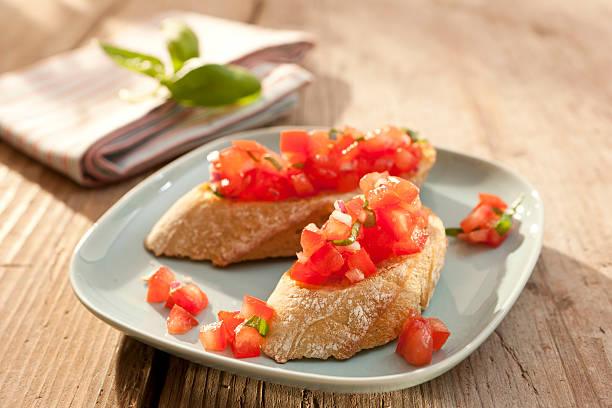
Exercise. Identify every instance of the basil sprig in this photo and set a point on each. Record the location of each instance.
(348, 241)
(206, 85)
(258, 323)
(181, 42)
(453, 232)
(504, 223)
(214, 191)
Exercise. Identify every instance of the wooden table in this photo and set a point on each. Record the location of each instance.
(528, 85)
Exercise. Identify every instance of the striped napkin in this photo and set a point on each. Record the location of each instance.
(66, 112)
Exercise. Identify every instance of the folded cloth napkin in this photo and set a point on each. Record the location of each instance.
(66, 111)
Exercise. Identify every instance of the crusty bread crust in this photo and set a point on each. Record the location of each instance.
(323, 322)
(202, 226)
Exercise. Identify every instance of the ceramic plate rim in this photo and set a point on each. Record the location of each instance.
(293, 378)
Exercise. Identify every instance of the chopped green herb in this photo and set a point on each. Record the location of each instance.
(215, 192)
(370, 220)
(333, 133)
(360, 139)
(259, 324)
(273, 161)
(453, 232)
(252, 156)
(298, 165)
(365, 204)
(497, 210)
(352, 238)
(504, 223)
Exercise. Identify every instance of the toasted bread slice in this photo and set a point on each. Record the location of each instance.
(323, 322)
(202, 226)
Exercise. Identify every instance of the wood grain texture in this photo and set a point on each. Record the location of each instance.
(527, 84)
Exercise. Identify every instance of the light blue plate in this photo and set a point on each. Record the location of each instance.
(477, 287)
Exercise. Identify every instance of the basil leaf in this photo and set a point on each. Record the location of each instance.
(360, 139)
(504, 224)
(273, 161)
(412, 133)
(181, 42)
(258, 323)
(351, 239)
(145, 64)
(252, 156)
(370, 220)
(298, 165)
(497, 210)
(214, 85)
(333, 133)
(453, 232)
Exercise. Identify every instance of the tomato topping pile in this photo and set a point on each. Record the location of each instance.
(388, 220)
(243, 330)
(311, 162)
(420, 337)
(489, 222)
(185, 301)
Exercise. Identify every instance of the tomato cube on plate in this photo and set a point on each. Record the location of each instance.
(252, 306)
(416, 343)
(189, 297)
(159, 285)
(213, 336)
(247, 342)
(180, 321)
(439, 332)
(230, 322)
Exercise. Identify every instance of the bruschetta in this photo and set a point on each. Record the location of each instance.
(256, 202)
(378, 257)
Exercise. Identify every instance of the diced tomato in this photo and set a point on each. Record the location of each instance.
(412, 315)
(439, 332)
(295, 141)
(230, 322)
(326, 260)
(361, 261)
(368, 182)
(250, 146)
(355, 208)
(319, 143)
(415, 343)
(406, 160)
(303, 187)
(347, 181)
(302, 272)
(492, 200)
(334, 229)
(213, 336)
(189, 297)
(247, 342)
(378, 243)
(180, 321)
(253, 306)
(480, 217)
(312, 239)
(159, 285)
(354, 275)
